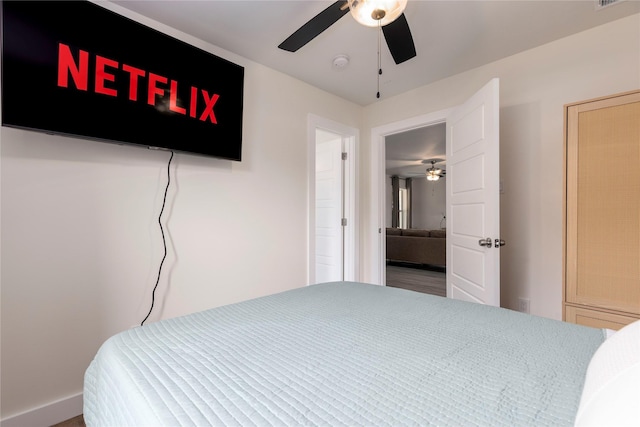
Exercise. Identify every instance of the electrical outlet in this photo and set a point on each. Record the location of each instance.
(523, 305)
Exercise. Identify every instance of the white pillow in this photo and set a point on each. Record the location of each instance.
(611, 393)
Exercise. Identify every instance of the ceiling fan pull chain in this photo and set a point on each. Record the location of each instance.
(379, 60)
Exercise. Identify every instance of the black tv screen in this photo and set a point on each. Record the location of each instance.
(75, 68)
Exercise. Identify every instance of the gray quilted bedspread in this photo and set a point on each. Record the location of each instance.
(342, 354)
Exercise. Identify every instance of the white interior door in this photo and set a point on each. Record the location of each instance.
(473, 198)
(329, 250)
(333, 207)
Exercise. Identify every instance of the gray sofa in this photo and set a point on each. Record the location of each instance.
(417, 246)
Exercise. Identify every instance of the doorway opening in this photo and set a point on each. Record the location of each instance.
(472, 188)
(377, 271)
(415, 200)
(332, 205)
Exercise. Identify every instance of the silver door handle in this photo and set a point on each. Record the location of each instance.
(499, 242)
(485, 242)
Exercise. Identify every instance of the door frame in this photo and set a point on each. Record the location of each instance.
(377, 271)
(350, 138)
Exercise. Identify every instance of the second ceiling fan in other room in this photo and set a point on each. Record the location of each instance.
(433, 173)
(388, 14)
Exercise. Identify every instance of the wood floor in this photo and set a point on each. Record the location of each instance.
(73, 422)
(418, 279)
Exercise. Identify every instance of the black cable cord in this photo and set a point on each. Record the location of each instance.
(164, 242)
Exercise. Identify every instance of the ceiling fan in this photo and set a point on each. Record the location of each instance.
(388, 14)
(433, 173)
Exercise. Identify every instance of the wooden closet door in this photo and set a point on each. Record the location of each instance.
(603, 204)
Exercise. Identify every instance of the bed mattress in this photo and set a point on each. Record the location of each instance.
(342, 353)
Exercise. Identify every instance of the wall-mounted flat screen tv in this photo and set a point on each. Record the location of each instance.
(75, 68)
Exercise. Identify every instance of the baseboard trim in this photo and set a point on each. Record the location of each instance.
(47, 415)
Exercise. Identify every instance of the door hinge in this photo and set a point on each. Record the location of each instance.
(344, 156)
(344, 222)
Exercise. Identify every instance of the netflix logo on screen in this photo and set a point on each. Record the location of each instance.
(105, 71)
(77, 69)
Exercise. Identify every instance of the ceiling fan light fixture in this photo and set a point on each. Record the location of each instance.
(372, 13)
(433, 173)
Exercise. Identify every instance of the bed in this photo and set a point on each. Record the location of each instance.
(343, 354)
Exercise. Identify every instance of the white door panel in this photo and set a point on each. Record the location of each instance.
(469, 266)
(329, 246)
(469, 218)
(473, 204)
(472, 179)
(469, 129)
(460, 294)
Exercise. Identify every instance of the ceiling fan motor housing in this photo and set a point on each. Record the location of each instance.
(376, 12)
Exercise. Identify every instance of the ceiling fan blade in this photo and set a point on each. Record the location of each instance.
(399, 39)
(315, 26)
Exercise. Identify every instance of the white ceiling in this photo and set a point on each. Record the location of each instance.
(406, 152)
(450, 36)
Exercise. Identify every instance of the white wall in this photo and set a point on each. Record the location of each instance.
(534, 86)
(429, 203)
(81, 244)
